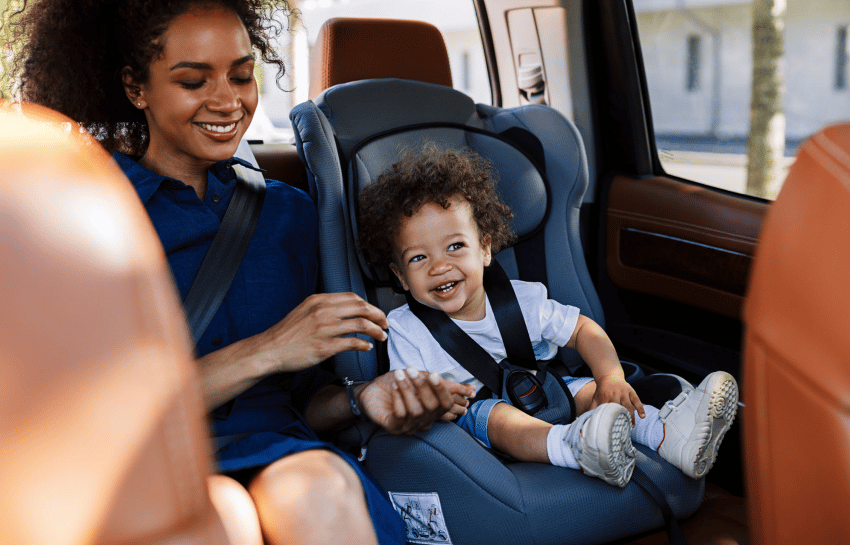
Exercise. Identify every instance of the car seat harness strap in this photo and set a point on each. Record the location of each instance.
(674, 532)
(222, 260)
(511, 377)
(458, 344)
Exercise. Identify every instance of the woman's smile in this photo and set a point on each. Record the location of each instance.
(219, 132)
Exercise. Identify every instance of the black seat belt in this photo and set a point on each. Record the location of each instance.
(508, 316)
(222, 260)
(470, 354)
(458, 344)
(674, 532)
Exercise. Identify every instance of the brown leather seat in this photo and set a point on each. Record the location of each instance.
(102, 434)
(796, 375)
(386, 48)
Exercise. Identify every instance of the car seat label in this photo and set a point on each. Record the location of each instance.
(423, 517)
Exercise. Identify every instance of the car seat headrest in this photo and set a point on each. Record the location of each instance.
(361, 109)
(351, 49)
(521, 181)
(93, 344)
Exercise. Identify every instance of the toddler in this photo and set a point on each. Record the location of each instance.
(436, 220)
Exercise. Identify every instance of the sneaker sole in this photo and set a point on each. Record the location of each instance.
(615, 459)
(722, 407)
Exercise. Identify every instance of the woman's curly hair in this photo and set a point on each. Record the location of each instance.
(72, 54)
(422, 177)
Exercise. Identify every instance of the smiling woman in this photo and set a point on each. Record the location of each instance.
(199, 97)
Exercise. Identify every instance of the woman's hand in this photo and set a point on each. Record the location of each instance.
(319, 328)
(615, 389)
(406, 402)
(312, 332)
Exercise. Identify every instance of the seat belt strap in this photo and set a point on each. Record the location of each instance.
(674, 532)
(222, 260)
(509, 317)
(468, 353)
(458, 344)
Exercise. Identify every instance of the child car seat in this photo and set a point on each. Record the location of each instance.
(443, 481)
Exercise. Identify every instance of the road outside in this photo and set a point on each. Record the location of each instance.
(723, 170)
(721, 164)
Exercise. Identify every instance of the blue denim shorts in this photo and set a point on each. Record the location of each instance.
(474, 422)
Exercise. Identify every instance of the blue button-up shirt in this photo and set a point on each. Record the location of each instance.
(277, 273)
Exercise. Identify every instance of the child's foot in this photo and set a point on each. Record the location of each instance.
(602, 445)
(696, 421)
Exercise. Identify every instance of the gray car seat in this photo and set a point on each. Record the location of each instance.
(448, 487)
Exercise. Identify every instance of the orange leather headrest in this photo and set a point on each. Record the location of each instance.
(101, 416)
(351, 49)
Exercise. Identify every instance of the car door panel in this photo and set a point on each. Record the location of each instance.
(681, 241)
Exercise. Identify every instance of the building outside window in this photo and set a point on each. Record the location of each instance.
(841, 59)
(694, 62)
(466, 83)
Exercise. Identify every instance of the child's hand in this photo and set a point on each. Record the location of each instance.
(615, 389)
(460, 393)
(404, 402)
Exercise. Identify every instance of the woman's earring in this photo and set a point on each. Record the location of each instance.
(139, 104)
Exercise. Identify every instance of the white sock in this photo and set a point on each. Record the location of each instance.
(560, 453)
(648, 431)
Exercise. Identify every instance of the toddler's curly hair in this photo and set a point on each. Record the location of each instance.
(425, 176)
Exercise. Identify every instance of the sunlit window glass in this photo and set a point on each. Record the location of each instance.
(711, 110)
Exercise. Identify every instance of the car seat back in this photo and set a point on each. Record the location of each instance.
(796, 370)
(101, 417)
(348, 136)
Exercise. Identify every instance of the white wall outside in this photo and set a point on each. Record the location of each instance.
(810, 45)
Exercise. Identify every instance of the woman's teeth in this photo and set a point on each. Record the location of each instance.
(218, 128)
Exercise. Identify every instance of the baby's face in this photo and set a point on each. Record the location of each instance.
(441, 259)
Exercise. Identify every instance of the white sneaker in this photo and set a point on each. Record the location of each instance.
(602, 444)
(696, 421)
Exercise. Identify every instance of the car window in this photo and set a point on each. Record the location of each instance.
(456, 20)
(698, 59)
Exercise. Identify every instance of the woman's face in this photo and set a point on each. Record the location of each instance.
(201, 94)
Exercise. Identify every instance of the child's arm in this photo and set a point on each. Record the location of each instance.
(594, 346)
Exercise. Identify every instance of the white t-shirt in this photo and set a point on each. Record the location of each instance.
(550, 325)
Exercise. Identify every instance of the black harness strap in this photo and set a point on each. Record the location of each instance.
(530, 251)
(509, 316)
(646, 483)
(469, 353)
(222, 260)
(458, 344)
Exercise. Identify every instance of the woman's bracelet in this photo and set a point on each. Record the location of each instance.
(352, 398)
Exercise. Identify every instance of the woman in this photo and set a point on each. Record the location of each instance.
(169, 87)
